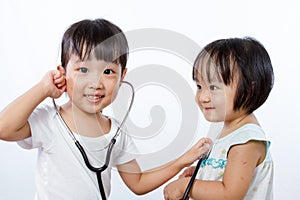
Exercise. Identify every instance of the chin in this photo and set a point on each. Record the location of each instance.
(90, 110)
(212, 119)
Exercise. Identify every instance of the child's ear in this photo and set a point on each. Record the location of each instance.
(124, 74)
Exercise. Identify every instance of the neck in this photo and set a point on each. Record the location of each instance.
(83, 123)
(231, 125)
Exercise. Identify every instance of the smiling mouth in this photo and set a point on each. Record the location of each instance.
(94, 98)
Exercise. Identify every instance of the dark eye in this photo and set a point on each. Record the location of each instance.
(212, 87)
(199, 87)
(108, 71)
(83, 70)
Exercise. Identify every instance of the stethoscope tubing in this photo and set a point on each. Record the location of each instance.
(193, 177)
(98, 170)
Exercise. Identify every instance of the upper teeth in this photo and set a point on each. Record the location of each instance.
(93, 97)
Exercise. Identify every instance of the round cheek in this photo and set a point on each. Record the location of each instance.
(114, 92)
(229, 100)
(197, 99)
(70, 86)
(225, 108)
(222, 112)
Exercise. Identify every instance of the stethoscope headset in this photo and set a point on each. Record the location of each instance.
(98, 170)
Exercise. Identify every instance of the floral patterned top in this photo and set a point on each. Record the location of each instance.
(213, 167)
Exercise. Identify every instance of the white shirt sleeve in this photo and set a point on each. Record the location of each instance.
(40, 127)
(125, 149)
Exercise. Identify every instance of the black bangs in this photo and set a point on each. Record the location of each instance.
(112, 49)
(206, 67)
(216, 61)
(100, 37)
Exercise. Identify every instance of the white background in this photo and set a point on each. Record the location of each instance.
(30, 36)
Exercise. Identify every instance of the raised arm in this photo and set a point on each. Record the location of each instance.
(14, 124)
(144, 182)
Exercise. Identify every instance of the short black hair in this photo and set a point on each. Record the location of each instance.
(242, 59)
(103, 37)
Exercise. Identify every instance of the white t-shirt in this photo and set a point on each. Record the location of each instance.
(61, 171)
(214, 166)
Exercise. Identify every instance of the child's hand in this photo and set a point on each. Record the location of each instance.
(194, 153)
(175, 189)
(59, 78)
(188, 172)
(55, 83)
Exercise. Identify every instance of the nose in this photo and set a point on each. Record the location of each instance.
(204, 96)
(96, 81)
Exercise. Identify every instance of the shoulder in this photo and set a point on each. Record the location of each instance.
(125, 149)
(248, 132)
(250, 140)
(247, 136)
(118, 129)
(114, 121)
(42, 114)
(44, 109)
(41, 126)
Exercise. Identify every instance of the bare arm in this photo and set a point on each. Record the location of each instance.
(144, 182)
(14, 124)
(241, 163)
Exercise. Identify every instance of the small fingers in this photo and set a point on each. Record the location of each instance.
(63, 88)
(203, 142)
(206, 140)
(59, 79)
(187, 172)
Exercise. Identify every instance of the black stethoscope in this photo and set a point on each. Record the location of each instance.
(192, 180)
(98, 170)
